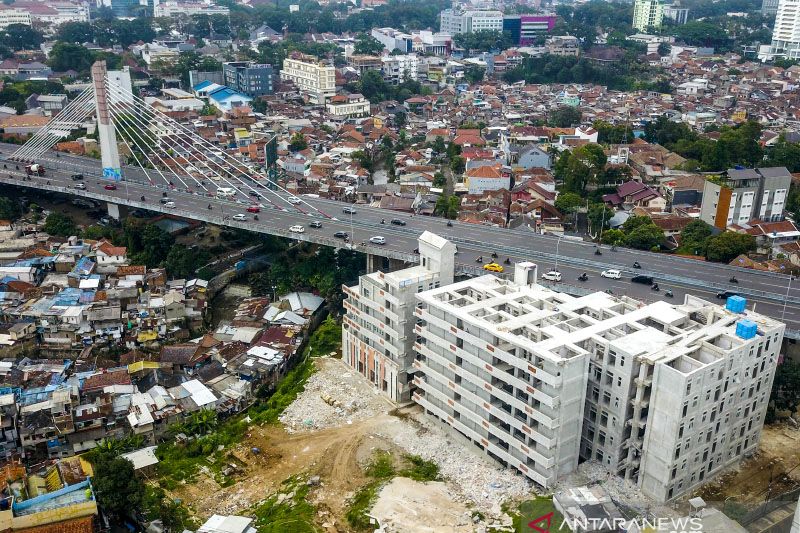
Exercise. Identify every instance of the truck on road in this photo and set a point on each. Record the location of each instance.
(35, 168)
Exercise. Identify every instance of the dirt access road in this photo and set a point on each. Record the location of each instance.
(336, 455)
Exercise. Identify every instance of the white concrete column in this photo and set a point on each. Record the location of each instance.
(112, 169)
(113, 210)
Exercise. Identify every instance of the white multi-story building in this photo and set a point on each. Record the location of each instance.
(470, 21)
(311, 76)
(350, 106)
(786, 32)
(174, 8)
(378, 327)
(397, 68)
(647, 14)
(664, 395)
(11, 15)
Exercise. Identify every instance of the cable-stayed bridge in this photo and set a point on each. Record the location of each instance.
(169, 160)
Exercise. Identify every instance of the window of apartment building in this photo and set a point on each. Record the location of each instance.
(595, 394)
(680, 431)
(604, 419)
(688, 387)
(599, 455)
(592, 413)
(609, 378)
(685, 408)
(607, 398)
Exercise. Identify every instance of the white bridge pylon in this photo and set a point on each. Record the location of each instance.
(170, 154)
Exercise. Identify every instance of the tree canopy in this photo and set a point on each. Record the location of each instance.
(483, 40)
(367, 45)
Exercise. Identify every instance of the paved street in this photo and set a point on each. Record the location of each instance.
(768, 292)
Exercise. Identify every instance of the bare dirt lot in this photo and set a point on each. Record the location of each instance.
(775, 469)
(332, 438)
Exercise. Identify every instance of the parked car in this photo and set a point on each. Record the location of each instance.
(294, 200)
(170, 205)
(377, 240)
(110, 187)
(611, 273)
(239, 217)
(349, 211)
(316, 224)
(553, 275)
(398, 222)
(493, 267)
(340, 235)
(77, 177)
(645, 280)
(297, 228)
(253, 209)
(165, 200)
(79, 186)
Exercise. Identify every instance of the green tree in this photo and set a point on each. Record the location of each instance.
(483, 40)
(458, 164)
(173, 515)
(564, 117)
(645, 237)
(474, 74)
(69, 56)
(614, 236)
(21, 37)
(260, 284)
(784, 154)
(297, 142)
(664, 49)
(447, 206)
(598, 214)
(9, 209)
(785, 393)
(728, 245)
(367, 45)
(438, 145)
(439, 181)
(569, 202)
(181, 262)
(60, 224)
(119, 491)
(75, 32)
(694, 238)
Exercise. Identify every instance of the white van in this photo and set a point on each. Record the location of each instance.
(226, 192)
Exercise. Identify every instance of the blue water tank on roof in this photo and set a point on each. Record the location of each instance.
(746, 329)
(736, 304)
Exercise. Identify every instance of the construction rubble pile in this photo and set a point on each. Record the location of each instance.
(333, 396)
(622, 492)
(475, 478)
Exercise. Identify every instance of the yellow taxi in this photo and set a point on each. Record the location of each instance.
(493, 267)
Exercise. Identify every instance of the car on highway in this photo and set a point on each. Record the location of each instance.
(294, 200)
(239, 217)
(398, 222)
(646, 280)
(253, 193)
(493, 267)
(170, 205)
(79, 186)
(349, 211)
(253, 209)
(110, 187)
(77, 177)
(340, 235)
(553, 275)
(297, 228)
(727, 294)
(611, 273)
(377, 239)
(315, 224)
